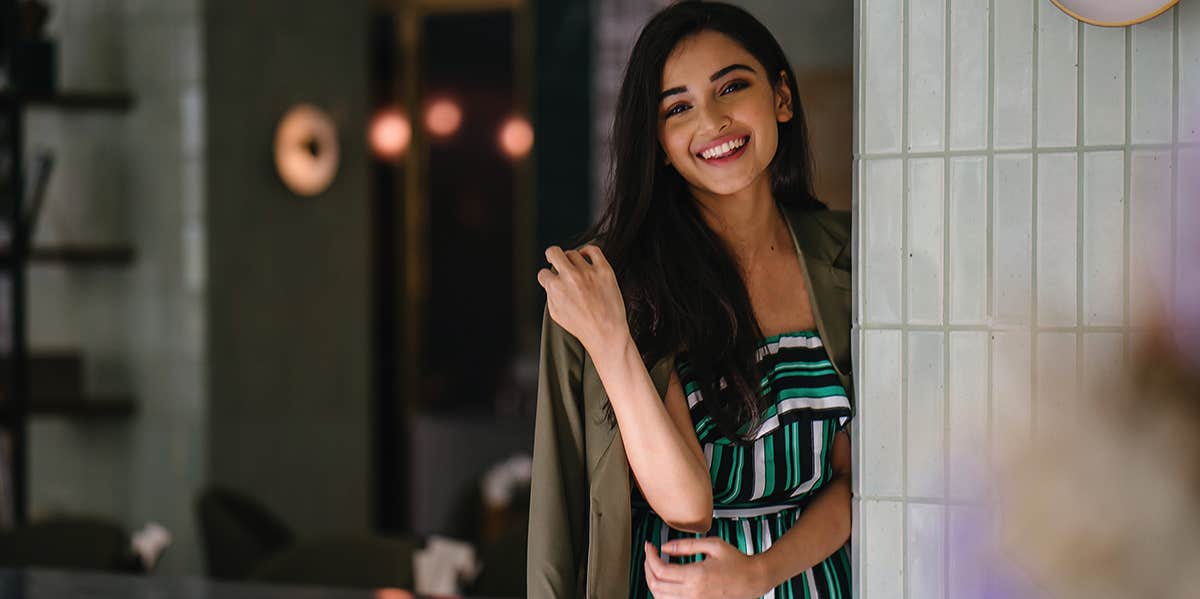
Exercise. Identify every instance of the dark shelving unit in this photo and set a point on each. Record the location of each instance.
(17, 403)
(70, 100)
(76, 255)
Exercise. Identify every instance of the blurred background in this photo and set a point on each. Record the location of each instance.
(269, 293)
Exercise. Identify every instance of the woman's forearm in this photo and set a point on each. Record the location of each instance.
(822, 529)
(673, 479)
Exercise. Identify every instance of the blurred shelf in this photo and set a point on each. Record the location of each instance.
(78, 255)
(82, 408)
(73, 100)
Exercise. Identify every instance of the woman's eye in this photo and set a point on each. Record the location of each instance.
(676, 109)
(733, 86)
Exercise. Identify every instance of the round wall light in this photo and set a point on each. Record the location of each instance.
(1107, 13)
(306, 150)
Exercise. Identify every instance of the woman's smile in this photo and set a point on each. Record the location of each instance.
(724, 150)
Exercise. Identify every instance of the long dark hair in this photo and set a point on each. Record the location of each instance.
(681, 285)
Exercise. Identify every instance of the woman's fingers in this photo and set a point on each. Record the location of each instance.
(661, 588)
(576, 259)
(594, 254)
(663, 570)
(703, 545)
(558, 259)
(544, 276)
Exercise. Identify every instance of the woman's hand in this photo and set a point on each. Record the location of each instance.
(725, 573)
(583, 297)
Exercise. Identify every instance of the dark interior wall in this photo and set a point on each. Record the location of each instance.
(289, 299)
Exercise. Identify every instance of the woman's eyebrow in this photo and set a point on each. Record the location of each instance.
(713, 77)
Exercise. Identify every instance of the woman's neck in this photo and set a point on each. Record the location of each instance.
(748, 222)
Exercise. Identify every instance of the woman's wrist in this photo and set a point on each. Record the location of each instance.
(612, 349)
(769, 571)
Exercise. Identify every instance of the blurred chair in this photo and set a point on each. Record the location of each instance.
(76, 543)
(238, 533)
(365, 561)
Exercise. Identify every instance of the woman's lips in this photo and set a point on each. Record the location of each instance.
(726, 151)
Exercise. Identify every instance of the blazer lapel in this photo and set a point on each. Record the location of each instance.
(828, 286)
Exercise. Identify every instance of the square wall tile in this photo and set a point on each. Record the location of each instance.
(1057, 219)
(882, 208)
(926, 75)
(1103, 85)
(1150, 236)
(1012, 238)
(1056, 376)
(968, 240)
(1189, 70)
(1012, 95)
(1153, 74)
(1011, 410)
(1058, 77)
(925, 417)
(883, 74)
(968, 413)
(882, 567)
(880, 416)
(926, 551)
(1104, 238)
(968, 74)
(926, 201)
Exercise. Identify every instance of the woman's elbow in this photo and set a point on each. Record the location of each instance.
(697, 519)
(693, 525)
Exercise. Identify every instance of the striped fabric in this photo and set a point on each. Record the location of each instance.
(759, 490)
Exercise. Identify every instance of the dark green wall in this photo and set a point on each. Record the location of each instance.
(289, 297)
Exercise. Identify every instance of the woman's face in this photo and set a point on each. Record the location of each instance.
(718, 114)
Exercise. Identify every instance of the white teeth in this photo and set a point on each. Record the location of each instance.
(723, 149)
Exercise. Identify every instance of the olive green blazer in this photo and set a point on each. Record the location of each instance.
(579, 520)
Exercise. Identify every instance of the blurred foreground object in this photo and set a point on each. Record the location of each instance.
(1107, 502)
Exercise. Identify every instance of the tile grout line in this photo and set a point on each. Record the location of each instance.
(1037, 150)
(1035, 163)
(1173, 251)
(1079, 174)
(947, 97)
(991, 240)
(858, 576)
(904, 249)
(1127, 156)
(1003, 328)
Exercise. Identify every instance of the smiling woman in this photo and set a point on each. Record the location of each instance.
(701, 326)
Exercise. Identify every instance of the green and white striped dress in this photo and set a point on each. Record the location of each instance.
(759, 490)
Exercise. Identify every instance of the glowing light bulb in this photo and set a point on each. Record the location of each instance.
(516, 137)
(443, 117)
(389, 133)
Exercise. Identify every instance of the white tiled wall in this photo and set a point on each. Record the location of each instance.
(136, 178)
(1015, 191)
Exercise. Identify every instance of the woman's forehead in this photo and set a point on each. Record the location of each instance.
(699, 55)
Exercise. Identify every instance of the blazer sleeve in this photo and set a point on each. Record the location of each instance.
(559, 488)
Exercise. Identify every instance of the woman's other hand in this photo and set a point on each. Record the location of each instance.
(726, 572)
(583, 297)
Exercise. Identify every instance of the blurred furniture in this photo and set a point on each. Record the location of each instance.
(58, 584)
(365, 561)
(69, 543)
(20, 399)
(238, 533)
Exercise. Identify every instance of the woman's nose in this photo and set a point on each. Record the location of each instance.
(714, 118)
